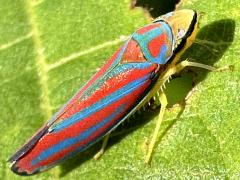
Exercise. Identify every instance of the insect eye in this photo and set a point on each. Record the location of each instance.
(181, 33)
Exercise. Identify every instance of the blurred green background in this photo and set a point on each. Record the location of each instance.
(50, 48)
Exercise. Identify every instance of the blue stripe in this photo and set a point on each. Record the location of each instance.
(71, 141)
(161, 58)
(167, 28)
(125, 67)
(100, 104)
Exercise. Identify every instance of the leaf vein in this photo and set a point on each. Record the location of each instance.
(40, 61)
(15, 41)
(75, 55)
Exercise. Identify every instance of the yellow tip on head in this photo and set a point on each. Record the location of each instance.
(184, 25)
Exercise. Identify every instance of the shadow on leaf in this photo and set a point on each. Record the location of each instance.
(211, 43)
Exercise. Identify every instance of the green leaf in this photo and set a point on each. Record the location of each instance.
(50, 48)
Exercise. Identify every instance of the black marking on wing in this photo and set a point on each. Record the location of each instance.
(29, 145)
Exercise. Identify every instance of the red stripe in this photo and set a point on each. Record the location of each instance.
(133, 53)
(155, 44)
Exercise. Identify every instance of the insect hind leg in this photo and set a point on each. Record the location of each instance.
(163, 101)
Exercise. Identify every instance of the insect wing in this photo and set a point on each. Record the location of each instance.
(87, 119)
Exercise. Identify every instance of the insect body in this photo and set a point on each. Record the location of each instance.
(126, 82)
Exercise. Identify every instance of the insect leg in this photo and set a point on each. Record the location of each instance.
(186, 63)
(163, 101)
(104, 144)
